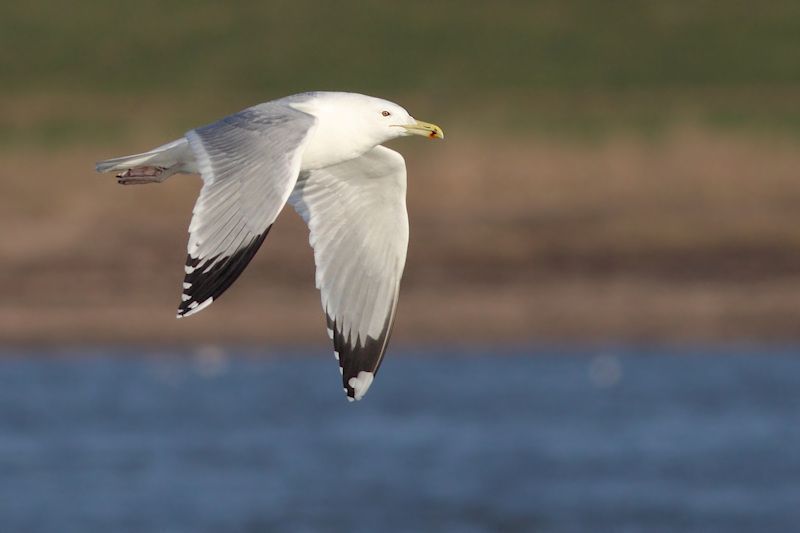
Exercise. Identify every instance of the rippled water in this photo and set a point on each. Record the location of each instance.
(525, 440)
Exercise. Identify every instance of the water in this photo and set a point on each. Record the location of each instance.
(581, 440)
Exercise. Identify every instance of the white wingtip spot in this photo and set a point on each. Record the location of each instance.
(188, 269)
(204, 305)
(185, 297)
(336, 354)
(361, 383)
(330, 333)
(186, 285)
(194, 307)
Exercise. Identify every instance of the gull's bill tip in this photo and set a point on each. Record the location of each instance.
(424, 128)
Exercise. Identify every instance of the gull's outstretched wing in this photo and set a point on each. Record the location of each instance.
(356, 212)
(249, 162)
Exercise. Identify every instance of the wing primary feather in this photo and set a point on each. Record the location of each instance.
(356, 355)
(202, 285)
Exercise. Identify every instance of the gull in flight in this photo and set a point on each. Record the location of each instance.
(321, 152)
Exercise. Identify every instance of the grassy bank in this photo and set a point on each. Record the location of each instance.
(102, 71)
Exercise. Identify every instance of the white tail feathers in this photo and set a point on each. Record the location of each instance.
(175, 154)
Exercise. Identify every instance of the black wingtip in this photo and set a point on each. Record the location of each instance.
(207, 278)
(359, 359)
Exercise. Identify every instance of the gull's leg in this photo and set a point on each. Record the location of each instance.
(144, 174)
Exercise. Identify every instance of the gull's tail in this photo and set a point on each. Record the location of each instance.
(155, 165)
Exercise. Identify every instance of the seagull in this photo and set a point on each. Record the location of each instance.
(322, 153)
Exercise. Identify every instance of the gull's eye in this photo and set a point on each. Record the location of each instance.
(385, 113)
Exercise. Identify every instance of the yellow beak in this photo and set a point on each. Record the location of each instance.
(424, 128)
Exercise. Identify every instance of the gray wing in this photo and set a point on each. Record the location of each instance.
(356, 213)
(249, 163)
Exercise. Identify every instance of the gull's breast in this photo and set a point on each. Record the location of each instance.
(330, 146)
(335, 138)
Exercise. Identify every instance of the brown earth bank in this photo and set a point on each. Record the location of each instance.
(694, 235)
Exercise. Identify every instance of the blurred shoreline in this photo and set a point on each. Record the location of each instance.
(512, 240)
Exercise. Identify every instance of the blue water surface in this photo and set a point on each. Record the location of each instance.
(213, 439)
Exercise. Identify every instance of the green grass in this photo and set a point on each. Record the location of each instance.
(573, 67)
(446, 45)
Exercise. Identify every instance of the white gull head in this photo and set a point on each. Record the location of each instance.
(349, 125)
